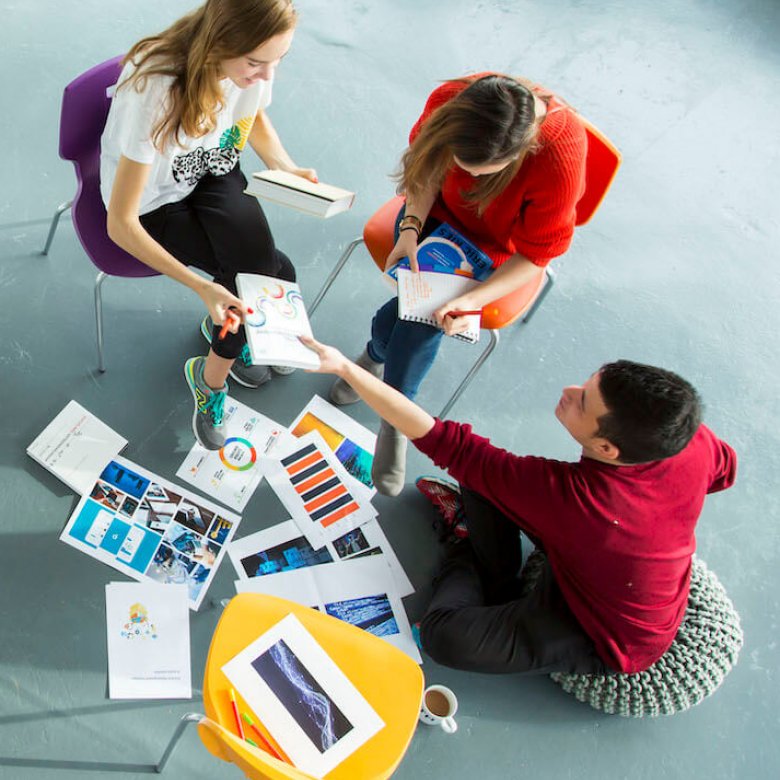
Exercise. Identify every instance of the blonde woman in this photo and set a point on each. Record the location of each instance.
(503, 162)
(187, 102)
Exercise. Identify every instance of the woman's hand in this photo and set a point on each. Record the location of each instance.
(305, 173)
(406, 246)
(453, 325)
(218, 301)
(331, 360)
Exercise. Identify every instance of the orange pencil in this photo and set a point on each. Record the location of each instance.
(264, 743)
(462, 313)
(226, 324)
(229, 315)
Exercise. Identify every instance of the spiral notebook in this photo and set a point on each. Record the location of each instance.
(420, 294)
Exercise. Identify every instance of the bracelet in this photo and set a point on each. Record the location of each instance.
(410, 227)
(410, 219)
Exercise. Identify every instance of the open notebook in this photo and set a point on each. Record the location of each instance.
(420, 294)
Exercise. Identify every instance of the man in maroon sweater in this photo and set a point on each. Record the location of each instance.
(617, 527)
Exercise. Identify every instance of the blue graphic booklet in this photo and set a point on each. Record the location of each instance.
(446, 251)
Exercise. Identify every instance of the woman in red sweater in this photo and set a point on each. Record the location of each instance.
(502, 162)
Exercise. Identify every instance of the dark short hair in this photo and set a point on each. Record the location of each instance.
(653, 413)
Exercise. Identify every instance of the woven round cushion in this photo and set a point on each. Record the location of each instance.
(703, 652)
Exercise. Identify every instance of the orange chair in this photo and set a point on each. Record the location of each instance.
(601, 164)
(390, 681)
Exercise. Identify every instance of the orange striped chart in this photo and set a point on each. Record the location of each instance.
(316, 489)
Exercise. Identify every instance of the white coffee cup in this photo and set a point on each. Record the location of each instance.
(438, 707)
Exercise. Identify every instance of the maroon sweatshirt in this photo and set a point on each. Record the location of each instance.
(619, 538)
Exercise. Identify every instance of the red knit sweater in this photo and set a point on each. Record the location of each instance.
(619, 538)
(535, 215)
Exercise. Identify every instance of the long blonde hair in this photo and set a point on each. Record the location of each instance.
(492, 120)
(191, 51)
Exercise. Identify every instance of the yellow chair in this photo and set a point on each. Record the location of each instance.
(601, 164)
(390, 681)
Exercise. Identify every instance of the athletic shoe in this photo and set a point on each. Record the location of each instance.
(445, 497)
(283, 370)
(209, 405)
(243, 370)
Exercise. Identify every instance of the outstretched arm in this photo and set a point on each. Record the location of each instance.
(387, 402)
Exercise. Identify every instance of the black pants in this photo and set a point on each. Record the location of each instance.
(478, 622)
(222, 231)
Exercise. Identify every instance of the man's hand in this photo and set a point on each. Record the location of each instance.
(331, 360)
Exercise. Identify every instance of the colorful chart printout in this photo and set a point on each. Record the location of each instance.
(150, 529)
(231, 474)
(317, 491)
(351, 442)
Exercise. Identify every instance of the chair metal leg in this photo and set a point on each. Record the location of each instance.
(190, 717)
(334, 273)
(61, 209)
(494, 338)
(548, 285)
(99, 319)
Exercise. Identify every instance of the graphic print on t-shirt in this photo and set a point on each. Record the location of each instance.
(192, 167)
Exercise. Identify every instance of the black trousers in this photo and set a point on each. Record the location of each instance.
(222, 231)
(477, 620)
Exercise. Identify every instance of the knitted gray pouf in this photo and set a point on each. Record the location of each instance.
(702, 654)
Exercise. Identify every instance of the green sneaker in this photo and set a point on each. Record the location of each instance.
(209, 405)
(244, 371)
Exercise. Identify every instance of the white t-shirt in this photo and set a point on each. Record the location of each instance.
(175, 172)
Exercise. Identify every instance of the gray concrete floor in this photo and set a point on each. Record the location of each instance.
(679, 268)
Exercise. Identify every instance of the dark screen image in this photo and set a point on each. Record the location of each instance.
(302, 696)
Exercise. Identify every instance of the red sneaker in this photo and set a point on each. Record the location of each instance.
(445, 497)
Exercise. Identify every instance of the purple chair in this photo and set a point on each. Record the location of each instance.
(85, 105)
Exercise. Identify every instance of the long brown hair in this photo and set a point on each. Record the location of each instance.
(191, 51)
(492, 120)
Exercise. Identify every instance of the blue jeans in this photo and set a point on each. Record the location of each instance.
(407, 349)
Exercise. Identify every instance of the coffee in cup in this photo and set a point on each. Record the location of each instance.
(438, 707)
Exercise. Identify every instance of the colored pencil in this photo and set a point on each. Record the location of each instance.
(234, 706)
(264, 743)
(464, 313)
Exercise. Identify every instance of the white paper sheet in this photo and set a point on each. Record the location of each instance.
(75, 446)
(353, 444)
(316, 490)
(151, 529)
(283, 547)
(148, 636)
(361, 592)
(232, 474)
(305, 701)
